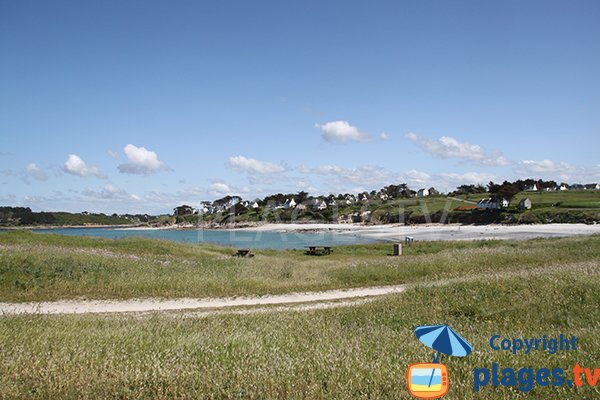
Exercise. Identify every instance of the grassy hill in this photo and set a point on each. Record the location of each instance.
(23, 216)
(560, 206)
(525, 289)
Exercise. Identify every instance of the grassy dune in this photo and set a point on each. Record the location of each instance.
(49, 267)
(540, 287)
(345, 353)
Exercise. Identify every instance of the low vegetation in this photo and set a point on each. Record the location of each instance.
(23, 216)
(518, 289)
(37, 266)
(356, 352)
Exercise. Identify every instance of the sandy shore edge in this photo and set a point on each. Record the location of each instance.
(398, 232)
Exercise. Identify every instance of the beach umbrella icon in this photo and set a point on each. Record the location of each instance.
(443, 339)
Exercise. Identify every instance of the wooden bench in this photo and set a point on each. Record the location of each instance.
(318, 250)
(243, 253)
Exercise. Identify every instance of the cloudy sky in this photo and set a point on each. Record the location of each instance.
(137, 106)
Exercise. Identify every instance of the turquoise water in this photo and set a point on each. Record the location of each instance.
(426, 376)
(426, 380)
(239, 239)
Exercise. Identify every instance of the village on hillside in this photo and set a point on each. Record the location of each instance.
(397, 203)
(522, 201)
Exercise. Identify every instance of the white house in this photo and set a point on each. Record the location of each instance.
(562, 187)
(532, 188)
(232, 202)
(289, 203)
(205, 207)
(489, 204)
(218, 208)
(255, 205)
(314, 202)
(525, 204)
(322, 205)
(423, 193)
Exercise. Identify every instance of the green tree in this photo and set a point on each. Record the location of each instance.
(183, 210)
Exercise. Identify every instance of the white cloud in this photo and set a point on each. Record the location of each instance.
(253, 165)
(467, 178)
(76, 166)
(496, 159)
(448, 181)
(221, 189)
(445, 181)
(342, 132)
(368, 177)
(558, 171)
(110, 192)
(384, 136)
(412, 136)
(35, 172)
(8, 199)
(417, 177)
(449, 147)
(543, 166)
(141, 161)
(340, 178)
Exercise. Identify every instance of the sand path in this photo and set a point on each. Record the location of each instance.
(283, 302)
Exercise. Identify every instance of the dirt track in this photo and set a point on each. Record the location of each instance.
(144, 305)
(268, 303)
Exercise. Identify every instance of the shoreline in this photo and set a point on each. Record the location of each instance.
(398, 232)
(384, 232)
(388, 232)
(51, 227)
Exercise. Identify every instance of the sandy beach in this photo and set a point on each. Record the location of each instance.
(397, 232)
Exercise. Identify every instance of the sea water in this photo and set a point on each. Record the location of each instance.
(233, 238)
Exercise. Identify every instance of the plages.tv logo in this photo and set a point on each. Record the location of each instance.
(431, 380)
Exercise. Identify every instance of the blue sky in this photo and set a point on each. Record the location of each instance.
(137, 106)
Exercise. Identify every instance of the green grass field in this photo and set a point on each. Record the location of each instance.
(572, 206)
(516, 289)
(35, 266)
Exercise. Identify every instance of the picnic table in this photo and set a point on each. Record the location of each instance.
(243, 253)
(318, 250)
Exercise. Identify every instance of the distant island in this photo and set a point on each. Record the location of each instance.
(521, 202)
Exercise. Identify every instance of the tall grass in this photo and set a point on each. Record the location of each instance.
(49, 267)
(346, 353)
